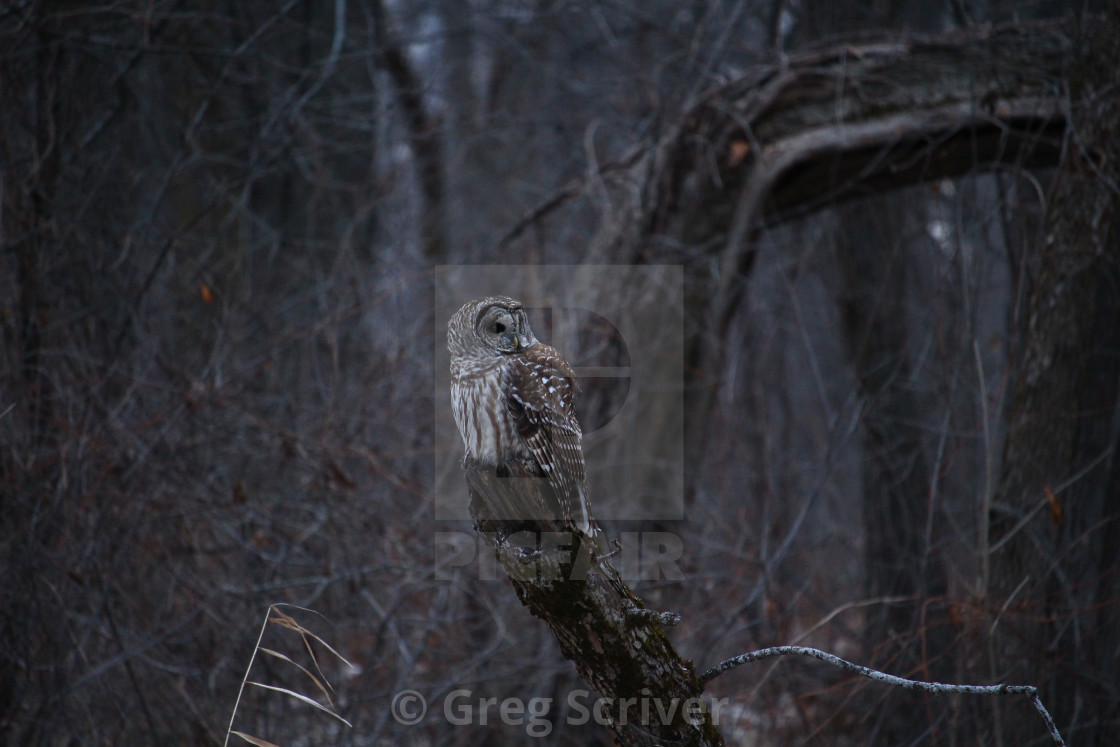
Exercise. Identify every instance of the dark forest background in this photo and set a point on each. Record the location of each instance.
(218, 232)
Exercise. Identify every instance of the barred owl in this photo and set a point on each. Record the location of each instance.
(513, 399)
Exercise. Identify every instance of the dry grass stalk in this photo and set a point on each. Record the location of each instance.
(277, 617)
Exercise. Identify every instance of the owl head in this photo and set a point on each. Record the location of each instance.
(485, 326)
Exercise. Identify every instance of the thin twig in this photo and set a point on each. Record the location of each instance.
(936, 688)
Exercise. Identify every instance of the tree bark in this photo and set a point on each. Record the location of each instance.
(619, 648)
(1050, 564)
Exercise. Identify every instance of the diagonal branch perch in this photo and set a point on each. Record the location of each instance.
(618, 647)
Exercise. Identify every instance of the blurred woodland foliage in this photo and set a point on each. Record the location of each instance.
(219, 224)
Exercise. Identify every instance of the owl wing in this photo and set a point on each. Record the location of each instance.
(541, 398)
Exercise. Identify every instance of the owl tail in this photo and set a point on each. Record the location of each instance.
(581, 514)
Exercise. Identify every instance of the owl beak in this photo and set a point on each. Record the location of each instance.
(516, 341)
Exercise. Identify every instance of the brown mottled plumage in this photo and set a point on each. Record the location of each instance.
(513, 398)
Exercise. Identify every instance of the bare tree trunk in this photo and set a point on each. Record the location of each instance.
(902, 571)
(32, 200)
(424, 137)
(1051, 563)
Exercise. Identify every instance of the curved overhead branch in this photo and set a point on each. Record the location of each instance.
(858, 119)
(826, 126)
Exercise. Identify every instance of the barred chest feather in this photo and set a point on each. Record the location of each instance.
(478, 401)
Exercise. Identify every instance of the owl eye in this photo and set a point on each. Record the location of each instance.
(497, 328)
